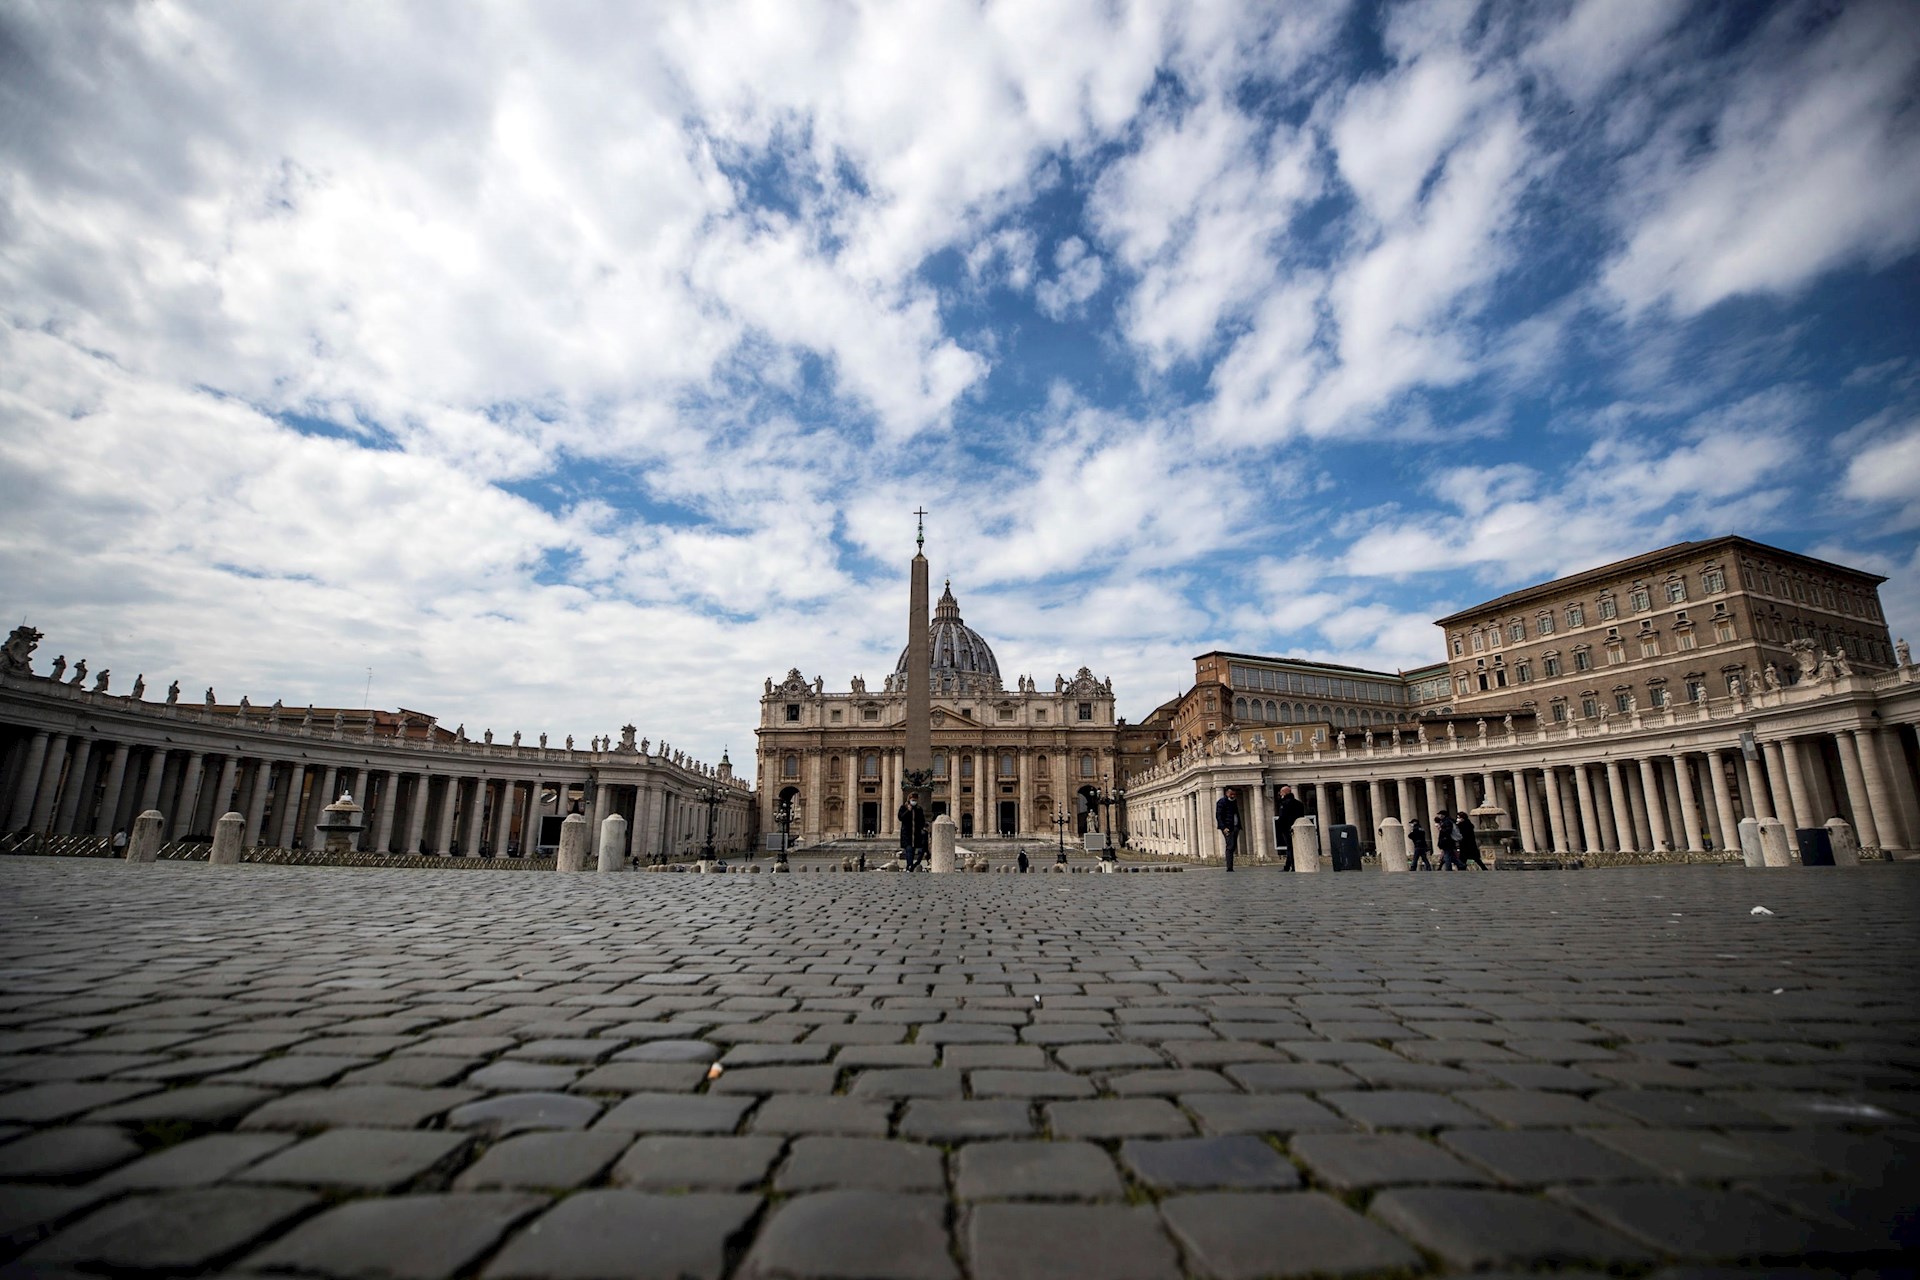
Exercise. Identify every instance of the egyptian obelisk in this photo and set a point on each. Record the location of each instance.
(917, 767)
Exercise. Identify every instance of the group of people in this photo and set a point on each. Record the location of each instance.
(1458, 845)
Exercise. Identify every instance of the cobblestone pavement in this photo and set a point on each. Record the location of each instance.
(418, 1075)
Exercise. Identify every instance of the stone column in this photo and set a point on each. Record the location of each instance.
(1392, 842)
(1350, 805)
(20, 811)
(1689, 808)
(1762, 800)
(1556, 818)
(76, 783)
(257, 800)
(49, 780)
(1874, 778)
(1462, 794)
(223, 788)
(613, 842)
(1306, 846)
(443, 824)
(324, 794)
(420, 792)
(114, 783)
(1256, 835)
(186, 806)
(1523, 811)
(1637, 801)
(150, 785)
(1403, 795)
(573, 843)
(472, 828)
(1589, 812)
(148, 835)
(940, 843)
(1786, 796)
(386, 807)
(1656, 816)
(1722, 799)
(1803, 807)
(1859, 804)
(290, 820)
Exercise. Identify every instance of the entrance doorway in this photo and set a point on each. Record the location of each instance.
(869, 818)
(1009, 817)
(966, 824)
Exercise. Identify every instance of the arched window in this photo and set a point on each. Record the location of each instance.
(790, 767)
(1240, 708)
(1286, 713)
(870, 766)
(966, 766)
(940, 766)
(1273, 713)
(833, 768)
(1006, 765)
(1086, 766)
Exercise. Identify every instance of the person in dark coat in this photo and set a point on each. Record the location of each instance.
(1023, 862)
(1287, 810)
(1449, 842)
(1420, 843)
(1226, 816)
(1469, 847)
(913, 832)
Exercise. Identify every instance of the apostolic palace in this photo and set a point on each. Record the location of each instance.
(1639, 709)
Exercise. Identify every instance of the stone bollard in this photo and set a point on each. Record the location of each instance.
(1774, 849)
(1750, 852)
(1846, 849)
(228, 835)
(940, 843)
(144, 844)
(613, 843)
(1306, 845)
(1392, 841)
(573, 844)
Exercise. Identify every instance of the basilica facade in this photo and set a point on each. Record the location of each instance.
(1018, 761)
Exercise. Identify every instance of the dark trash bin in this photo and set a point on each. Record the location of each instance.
(1343, 846)
(1816, 846)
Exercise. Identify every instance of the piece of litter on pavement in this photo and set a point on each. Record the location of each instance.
(1779, 991)
(713, 1072)
(1759, 911)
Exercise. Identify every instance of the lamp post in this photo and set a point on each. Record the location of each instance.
(710, 797)
(1116, 798)
(785, 814)
(1061, 822)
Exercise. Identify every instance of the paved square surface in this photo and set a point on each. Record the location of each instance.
(261, 1069)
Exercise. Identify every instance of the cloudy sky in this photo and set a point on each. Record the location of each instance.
(561, 365)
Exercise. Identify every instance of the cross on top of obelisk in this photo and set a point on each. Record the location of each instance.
(920, 529)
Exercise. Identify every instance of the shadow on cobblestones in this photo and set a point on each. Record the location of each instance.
(352, 1072)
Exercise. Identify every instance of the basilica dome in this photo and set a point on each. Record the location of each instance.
(957, 649)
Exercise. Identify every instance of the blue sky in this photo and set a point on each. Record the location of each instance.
(565, 366)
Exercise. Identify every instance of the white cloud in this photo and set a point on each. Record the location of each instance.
(1077, 278)
(1810, 167)
(1886, 473)
(1600, 40)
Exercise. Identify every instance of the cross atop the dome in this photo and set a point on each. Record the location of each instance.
(920, 529)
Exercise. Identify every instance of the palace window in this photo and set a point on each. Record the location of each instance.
(1583, 659)
(1723, 629)
(1657, 694)
(940, 766)
(1086, 766)
(790, 767)
(870, 714)
(1590, 707)
(1086, 709)
(1543, 624)
(1006, 766)
(835, 714)
(1676, 590)
(1641, 599)
(1523, 671)
(833, 768)
(1684, 638)
(1559, 711)
(1608, 608)
(1039, 715)
(1552, 664)
(1240, 708)
(966, 766)
(1649, 646)
(1006, 713)
(1696, 689)
(1713, 580)
(1517, 631)
(1623, 700)
(1456, 646)
(793, 712)
(1460, 683)
(1479, 641)
(1576, 616)
(1616, 653)
(870, 766)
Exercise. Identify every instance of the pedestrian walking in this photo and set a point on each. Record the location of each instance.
(1287, 810)
(1226, 816)
(913, 832)
(1469, 847)
(120, 843)
(1449, 842)
(1023, 862)
(1420, 843)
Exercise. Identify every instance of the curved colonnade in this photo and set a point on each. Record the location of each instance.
(1667, 781)
(84, 763)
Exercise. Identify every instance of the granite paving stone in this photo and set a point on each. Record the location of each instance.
(869, 1164)
(1117, 1118)
(1029, 1241)
(1198, 1164)
(196, 1162)
(803, 1113)
(29, 1211)
(381, 1105)
(614, 1235)
(642, 1077)
(935, 1120)
(830, 1234)
(1358, 1161)
(1249, 1237)
(993, 1083)
(1479, 1229)
(813, 1079)
(294, 1071)
(41, 1103)
(67, 1152)
(1277, 1113)
(675, 1113)
(1035, 1171)
(910, 1082)
(427, 1237)
(558, 1161)
(510, 1113)
(1284, 1077)
(519, 1077)
(1705, 1155)
(1402, 1109)
(1708, 1224)
(1541, 1157)
(172, 1230)
(361, 1159)
(199, 1104)
(670, 1163)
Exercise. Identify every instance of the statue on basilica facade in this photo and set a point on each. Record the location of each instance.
(59, 668)
(16, 657)
(100, 681)
(140, 686)
(79, 674)
(1902, 655)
